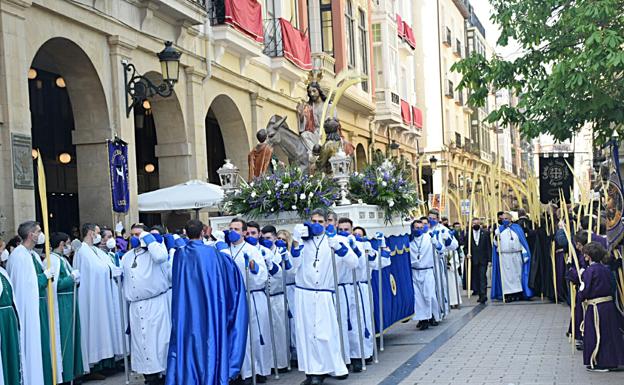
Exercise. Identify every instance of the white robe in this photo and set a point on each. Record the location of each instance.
(55, 265)
(259, 316)
(26, 288)
(439, 236)
(454, 279)
(100, 328)
(290, 294)
(511, 262)
(276, 289)
(109, 259)
(318, 351)
(146, 284)
(423, 279)
(6, 275)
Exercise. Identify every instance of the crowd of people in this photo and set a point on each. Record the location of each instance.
(206, 307)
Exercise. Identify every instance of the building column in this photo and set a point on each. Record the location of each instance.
(17, 198)
(121, 48)
(196, 121)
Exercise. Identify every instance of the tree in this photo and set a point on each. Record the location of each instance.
(570, 70)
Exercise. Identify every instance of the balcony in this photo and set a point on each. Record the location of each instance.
(388, 105)
(448, 37)
(464, 7)
(189, 12)
(459, 98)
(449, 90)
(237, 30)
(458, 48)
(289, 50)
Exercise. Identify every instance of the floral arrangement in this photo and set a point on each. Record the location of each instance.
(287, 189)
(386, 183)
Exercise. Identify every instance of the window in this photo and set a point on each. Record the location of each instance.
(379, 76)
(327, 36)
(363, 46)
(349, 24)
(377, 33)
(458, 139)
(295, 14)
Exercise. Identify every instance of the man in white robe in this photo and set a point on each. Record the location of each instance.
(146, 284)
(423, 280)
(99, 320)
(318, 349)
(26, 291)
(443, 241)
(243, 253)
(512, 256)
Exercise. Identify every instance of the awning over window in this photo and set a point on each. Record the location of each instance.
(400, 26)
(417, 118)
(296, 45)
(409, 35)
(246, 16)
(406, 114)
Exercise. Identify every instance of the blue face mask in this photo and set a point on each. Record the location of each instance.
(266, 243)
(359, 239)
(417, 232)
(506, 222)
(343, 233)
(433, 223)
(233, 236)
(280, 243)
(317, 229)
(251, 240)
(425, 228)
(135, 242)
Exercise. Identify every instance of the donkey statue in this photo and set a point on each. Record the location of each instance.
(280, 135)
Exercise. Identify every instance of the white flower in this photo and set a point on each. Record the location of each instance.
(390, 203)
(293, 207)
(268, 192)
(251, 184)
(311, 194)
(285, 187)
(302, 196)
(253, 194)
(383, 183)
(272, 209)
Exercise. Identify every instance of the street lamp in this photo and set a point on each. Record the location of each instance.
(433, 161)
(341, 167)
(228, 176)
(139, 88)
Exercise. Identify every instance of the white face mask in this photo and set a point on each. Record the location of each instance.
(67, 250)
(110, 244)
(41, 238)
(97, 239)
(4, 256)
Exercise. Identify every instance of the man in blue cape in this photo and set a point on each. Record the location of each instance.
(209, 315)
(511, 262)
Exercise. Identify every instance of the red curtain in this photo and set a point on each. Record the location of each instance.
(409, 35)
(400, 24)
(406, 114)
(246, 16)
(296, 45)
(417, 118)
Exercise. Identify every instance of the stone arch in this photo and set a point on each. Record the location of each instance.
(232, 129)
(92, 125)
(360, 157)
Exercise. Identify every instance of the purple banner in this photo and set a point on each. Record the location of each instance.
(118, 161)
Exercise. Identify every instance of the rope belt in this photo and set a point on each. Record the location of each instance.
(152, 297)
(595, 302)
(316, 290)
(422, 268)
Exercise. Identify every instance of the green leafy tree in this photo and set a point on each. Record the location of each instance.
(569, 71)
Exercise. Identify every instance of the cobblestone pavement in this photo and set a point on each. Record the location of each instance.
(513, 344)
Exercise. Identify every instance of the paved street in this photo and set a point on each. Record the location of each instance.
(517, 344)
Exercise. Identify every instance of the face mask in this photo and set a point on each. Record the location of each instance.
(343, 233)
(266, 243)
(317, 229)
(251, 240)
(110, 244)
(500, 221)
(233, 236)
(506, 222)
(359, 239)
(417, 232)
(97, 239)
(41, 238)
(135, 242)
(433, 223)
(67, 250)
(425, 228)
(4, 256)
(476, 227)
(280, 243)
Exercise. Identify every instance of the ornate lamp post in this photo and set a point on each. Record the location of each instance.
(228, 176)
(139, 88)
(433, 161)
(341, 167)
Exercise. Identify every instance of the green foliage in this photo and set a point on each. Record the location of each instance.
(569, 72)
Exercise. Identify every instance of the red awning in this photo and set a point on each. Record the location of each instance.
(296, 45)
(406, 114)
(400, 24)
(246, 16)
(417, 119)
(409, 35)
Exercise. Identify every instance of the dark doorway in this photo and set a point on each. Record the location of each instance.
(52, 121)
(215, 149)
(146, 161)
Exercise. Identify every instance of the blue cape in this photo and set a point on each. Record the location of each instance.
(497, 290)
(208, 318)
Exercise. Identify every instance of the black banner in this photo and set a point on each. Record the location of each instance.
(554, 175)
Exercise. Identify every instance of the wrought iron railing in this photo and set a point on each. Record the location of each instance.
(273, 40)
(216, 10)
